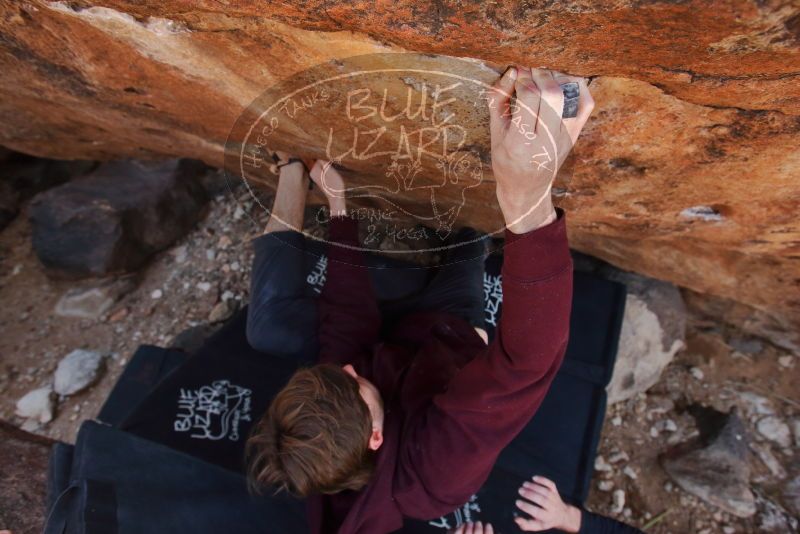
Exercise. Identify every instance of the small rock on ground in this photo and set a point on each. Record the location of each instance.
(77, 371)
(775, 430)
(90, 302)
(38, 405)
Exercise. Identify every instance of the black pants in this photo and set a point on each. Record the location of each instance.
(282, 317)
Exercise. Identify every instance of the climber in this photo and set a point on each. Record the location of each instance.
(408, 418)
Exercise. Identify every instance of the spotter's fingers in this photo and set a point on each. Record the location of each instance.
(545, 482)
(529, 525)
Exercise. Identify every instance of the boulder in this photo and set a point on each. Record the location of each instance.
(76, 371)
(653, 331)
(23, 176)
(114, 219)
(697, 107)
(715, 467)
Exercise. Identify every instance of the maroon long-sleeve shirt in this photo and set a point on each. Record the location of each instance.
(451, 402)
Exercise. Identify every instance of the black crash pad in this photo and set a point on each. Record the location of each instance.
(200, 408)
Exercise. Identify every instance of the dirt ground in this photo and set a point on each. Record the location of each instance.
(213, 263)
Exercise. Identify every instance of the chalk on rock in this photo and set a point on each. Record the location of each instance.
(38, 405)
(77, 371)
(703, 213)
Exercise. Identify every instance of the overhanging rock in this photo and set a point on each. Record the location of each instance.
(688, 170)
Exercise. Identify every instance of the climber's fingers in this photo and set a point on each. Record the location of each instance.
(526, 110)
(499, 99)
(552, 102)
(574, 125)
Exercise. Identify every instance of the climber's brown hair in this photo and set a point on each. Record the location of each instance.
(314, 437)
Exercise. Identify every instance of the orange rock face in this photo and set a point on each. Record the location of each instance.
(688, 170)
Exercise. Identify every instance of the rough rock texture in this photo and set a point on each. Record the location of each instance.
(698, 108)
(643, 354)
(23, 470)
(653, 331)
(780, 330)
(115, 218)
(791, 495)
(774, 518)
(715, 467)
(775, 430)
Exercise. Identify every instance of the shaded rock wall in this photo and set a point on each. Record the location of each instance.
(688, 171)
